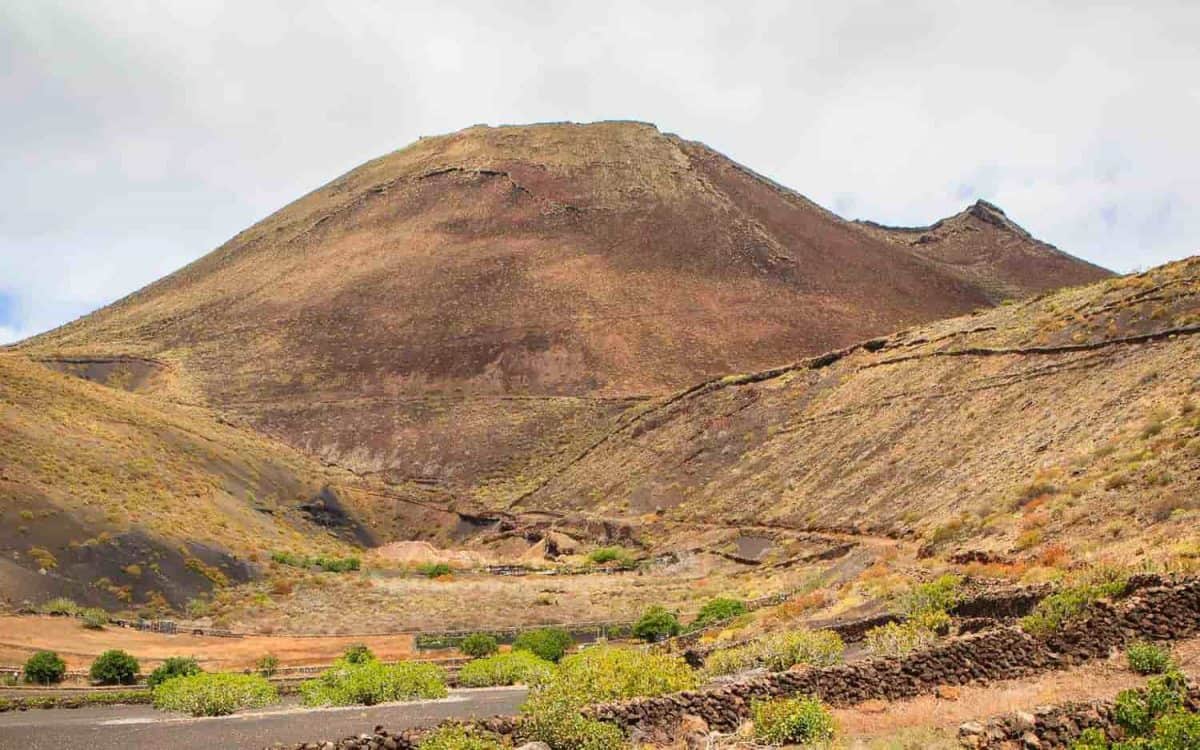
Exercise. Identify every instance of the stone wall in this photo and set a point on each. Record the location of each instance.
(1161, 612)
(1049, 727)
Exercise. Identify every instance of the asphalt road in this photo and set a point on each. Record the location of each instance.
(130, 727)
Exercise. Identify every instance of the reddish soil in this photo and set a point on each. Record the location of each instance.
(21, 636)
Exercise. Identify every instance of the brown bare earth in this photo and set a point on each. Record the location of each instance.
(473, 310)
(20, 636)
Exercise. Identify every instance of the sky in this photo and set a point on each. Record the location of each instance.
(137, 136)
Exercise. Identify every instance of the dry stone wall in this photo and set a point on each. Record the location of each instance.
(1049, 727)
(1161, 612)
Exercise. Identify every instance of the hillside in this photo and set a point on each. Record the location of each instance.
(111, 498)
(982, 246)
(1066, 424)
(475, 309)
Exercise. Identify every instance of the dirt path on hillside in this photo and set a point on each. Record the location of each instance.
(21, 635)
(877, 720)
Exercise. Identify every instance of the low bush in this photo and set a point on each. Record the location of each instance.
(458, 737)
(1067, 605)
(718, 610)
(562, 727)
(1148, 658)
(607, 673)
(1150, 719)
(1138, 710)
(657, 624)
(549, 643)
(114, 667)
(322, 562)
(372, 682)
(479, 645)
(434, 570)
(60, 606)
(175, 666)
(512, 668)
(94, 618)
(599, 674)
(898, 639)
(937, 596)
(45, 668)
(792, 721)
(358, 654)
(1178, 730)
(267, 665)
(619, 555)
(214, 694)
(778, 652)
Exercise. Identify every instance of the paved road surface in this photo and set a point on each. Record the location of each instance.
(137, 727)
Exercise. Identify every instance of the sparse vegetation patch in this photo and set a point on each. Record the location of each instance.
(371, 682)
(214, 694)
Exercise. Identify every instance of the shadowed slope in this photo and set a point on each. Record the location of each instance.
(476, 308)
(110, 497)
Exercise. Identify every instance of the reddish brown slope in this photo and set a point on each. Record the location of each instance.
(981, 245)
(478, 306)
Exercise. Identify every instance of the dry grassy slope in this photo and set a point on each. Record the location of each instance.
(479, 306)
(984, 247)
(1080, 406)
(94, 480)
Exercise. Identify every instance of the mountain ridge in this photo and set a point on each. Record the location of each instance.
(476, 306)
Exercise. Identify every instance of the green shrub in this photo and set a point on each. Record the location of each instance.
(937, 596)
(214, 694)
(45, 668)
(604, 555)
(175, 666)
(599, 674)
(562, 727)
(549, 643)
(479, 645)
(358, 654)
(512, 668)
(458, 737)
(792, 721)
(718, 610)
(372, 682)
(267, 665)
(816, 648)
(1091, 739)
(114, 667)
(1137, 710)
(779, 652)
(336, 564)
(1067, 605)
(608, 673)
(94, 618)
(59, 605)
(656, 624)
(897, 639)
(328, 564)
(1178, 730)
(434, 570)
(1148, 658)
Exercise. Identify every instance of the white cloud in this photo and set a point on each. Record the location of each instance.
(138, 135)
